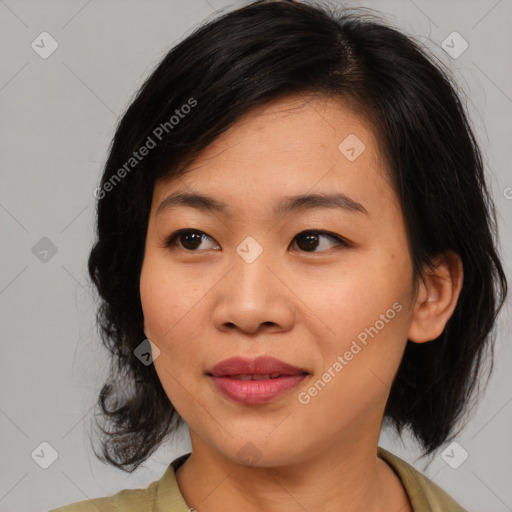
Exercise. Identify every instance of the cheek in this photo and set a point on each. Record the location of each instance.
(171, 307)
(358, 297)
(168, 300)
(366, 311)
(360, 357)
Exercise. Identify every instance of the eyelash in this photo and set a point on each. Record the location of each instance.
(171, 240)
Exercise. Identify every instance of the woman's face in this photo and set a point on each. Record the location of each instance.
(256, 285)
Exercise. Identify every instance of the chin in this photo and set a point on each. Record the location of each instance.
(262, 452)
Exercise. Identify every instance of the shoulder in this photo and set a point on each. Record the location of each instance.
(94, 505)
(163, 494)
(127, 500)
(425, 495)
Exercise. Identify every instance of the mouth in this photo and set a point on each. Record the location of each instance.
(260, 368)
(255, 376)
(255, 381)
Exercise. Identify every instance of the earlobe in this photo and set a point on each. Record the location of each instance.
(437, 298)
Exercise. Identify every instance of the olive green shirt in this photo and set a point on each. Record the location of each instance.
(164, 495)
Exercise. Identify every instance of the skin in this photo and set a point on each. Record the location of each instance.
(303, 306)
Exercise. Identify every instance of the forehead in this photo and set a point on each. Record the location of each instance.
(296, 145)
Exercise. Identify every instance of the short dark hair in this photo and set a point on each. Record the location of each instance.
(246, 58)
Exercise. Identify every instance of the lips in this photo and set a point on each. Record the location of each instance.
(261, 368)
(256, 381)
(256, 376)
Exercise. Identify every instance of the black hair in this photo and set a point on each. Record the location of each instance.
(246, 58)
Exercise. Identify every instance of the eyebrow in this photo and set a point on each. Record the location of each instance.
(289, 204)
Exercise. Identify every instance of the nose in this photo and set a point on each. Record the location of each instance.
(253, 297)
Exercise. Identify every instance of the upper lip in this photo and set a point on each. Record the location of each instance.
(261, 365)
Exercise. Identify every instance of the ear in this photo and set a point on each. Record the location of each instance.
(437, 298)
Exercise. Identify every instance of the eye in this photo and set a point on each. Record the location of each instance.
(308, 241)
(189, 239)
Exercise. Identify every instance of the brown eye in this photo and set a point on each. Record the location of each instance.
(309, 241)
(186, 239)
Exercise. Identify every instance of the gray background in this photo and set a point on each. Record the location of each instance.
(58, 116)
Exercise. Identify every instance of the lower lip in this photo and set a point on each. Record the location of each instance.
(256, 391)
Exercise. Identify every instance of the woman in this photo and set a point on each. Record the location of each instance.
(295, 243)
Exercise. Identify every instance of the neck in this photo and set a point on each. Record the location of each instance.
(348, 477)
